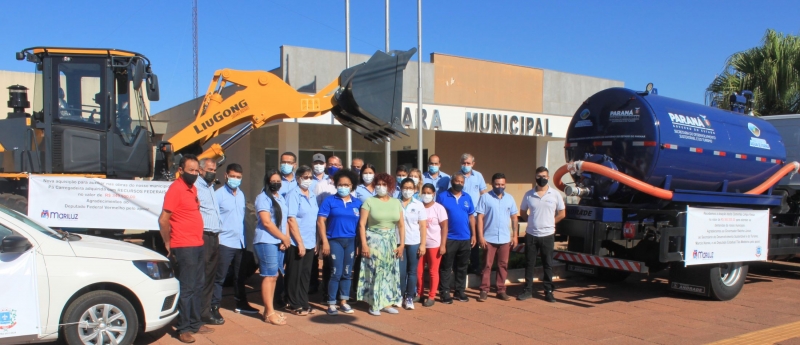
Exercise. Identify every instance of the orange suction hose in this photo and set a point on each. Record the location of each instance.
(657, 192)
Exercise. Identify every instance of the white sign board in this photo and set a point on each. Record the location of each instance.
(718, 235)
(94, 203)
(19, 303)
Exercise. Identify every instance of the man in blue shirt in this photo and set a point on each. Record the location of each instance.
(212, 226)
(288, 165)
(475, 186)
(318, 170)
(232, 243)
(460, 238)
(439, 179)
(496, 230)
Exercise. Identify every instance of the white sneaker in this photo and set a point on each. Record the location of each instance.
(390, 310)
(409, 303)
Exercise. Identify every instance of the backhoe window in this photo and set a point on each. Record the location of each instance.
(79, 94)
(129, 117)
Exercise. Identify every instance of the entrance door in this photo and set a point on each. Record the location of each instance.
(409, 159)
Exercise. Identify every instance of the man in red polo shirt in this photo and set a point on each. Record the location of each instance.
(182, 230)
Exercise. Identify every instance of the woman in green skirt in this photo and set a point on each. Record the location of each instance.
(381, 221)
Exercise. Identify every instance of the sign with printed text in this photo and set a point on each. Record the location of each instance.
(718, 235)
(78, 202)
(19, 299)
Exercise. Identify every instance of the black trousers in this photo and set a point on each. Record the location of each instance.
(211, 260)
(454, 264)
(190, 272)
(298, 275)
(229, 258)
(544, 246)
(314, 283)
(475, 260)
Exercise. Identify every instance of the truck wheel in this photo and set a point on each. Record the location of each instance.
(100, 318)
(727, 280)
(15, 202)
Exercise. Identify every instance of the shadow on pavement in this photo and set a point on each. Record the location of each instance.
(350, 321)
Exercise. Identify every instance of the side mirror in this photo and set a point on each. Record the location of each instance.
(15, 244)
(137, 74)
(152, 87)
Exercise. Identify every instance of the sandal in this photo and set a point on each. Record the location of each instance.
(311, 311)
(299, 312)
(281, 319)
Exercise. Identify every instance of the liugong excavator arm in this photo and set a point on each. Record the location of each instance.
(366, 98)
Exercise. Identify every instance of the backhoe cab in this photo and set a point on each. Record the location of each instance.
(88, 115)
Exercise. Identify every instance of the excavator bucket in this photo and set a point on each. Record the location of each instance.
(370, 96)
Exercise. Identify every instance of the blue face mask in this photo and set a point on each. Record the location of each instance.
(498, 191)
(466, 169)
(343, 191)
(400, 180)
(332, 171)
(234, 182)
(433, 169)
(286, 169)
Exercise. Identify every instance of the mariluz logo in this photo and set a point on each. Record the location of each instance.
(696, 254)
(219, 116)
(58, 215)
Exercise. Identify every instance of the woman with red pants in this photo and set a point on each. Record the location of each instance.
(435, 238)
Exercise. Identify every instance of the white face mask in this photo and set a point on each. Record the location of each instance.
(381, 190)
(426, 198)
(305, 184)
(416, 180)
(319, 168)
(407, 194)
(368, 178)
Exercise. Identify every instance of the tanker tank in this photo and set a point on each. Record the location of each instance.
(668, 143)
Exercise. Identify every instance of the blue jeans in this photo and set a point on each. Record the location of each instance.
(408, 270)
(270, 259)
(342, 252)
(229, 258)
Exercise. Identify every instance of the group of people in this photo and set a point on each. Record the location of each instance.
(374, 232)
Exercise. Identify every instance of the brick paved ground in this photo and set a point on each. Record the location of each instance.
(638, 311)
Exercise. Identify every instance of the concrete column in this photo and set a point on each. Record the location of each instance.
(541, 151)
(288, 138)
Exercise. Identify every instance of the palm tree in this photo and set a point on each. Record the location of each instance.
(771, 71)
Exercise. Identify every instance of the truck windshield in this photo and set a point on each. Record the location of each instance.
(38, 227)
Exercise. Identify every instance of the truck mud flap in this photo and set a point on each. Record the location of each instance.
(370, 98)
(583, 261)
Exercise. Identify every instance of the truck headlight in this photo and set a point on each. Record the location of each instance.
(155, 269)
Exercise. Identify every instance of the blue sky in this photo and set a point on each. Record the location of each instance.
(678, 45)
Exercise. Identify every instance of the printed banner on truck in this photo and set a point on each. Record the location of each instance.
(19, 300)
(718, 235)
(79, 202)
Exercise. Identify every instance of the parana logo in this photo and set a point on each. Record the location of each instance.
(700, 122)
(58, 215)
(585, 114)
(753, 129)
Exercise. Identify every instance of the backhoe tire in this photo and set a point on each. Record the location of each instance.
(15, 202)
(727, 280)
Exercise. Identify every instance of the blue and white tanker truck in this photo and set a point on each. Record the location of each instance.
(668, 184)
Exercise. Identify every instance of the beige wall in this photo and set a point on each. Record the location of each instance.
(485, 84)
(8, 78)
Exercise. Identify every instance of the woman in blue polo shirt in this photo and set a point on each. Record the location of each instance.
(302, 218)
(271, 240)
(367, 187)
(337, 221)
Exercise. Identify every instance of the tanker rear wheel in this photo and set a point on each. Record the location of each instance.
(15, 202)
(727, 280)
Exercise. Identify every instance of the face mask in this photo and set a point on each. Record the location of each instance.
(319, 168)
(368, 178)
(381, 190)
(305, 184)
(274, 187)
(343, 191)
(433, 169)
(498, 191)
(466, 169)
(416, 180)
(286, 169)
(541, 181)
(458, 187)
(234, 182)
(209, 177)
(407, 194)
(357, 171)
(400, 180)
(426, 198)
(332, 170)
(188, 178)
